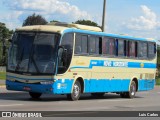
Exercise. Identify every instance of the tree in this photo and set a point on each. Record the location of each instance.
(34, 20)
(86, 22)
(54, 21)
(5, 34)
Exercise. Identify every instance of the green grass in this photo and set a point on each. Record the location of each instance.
(158, 81)
(2, 75)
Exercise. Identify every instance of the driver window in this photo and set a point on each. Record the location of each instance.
(67, 44)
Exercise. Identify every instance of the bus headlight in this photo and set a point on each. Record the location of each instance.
(46, 82)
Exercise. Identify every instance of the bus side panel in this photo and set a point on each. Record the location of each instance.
(106, 85)
(144, 84)
(63, 86)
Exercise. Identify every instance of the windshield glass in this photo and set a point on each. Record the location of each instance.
(33, 53)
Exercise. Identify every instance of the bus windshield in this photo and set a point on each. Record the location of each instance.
(33, 53)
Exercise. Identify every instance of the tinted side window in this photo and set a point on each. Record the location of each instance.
(67, 43)
(81, 44)
(151, 50)
(132, 47)
(84, 44)
(120, 47)
(78, 46)
(142, 50)
(108, 46)
(104, 45)
(93, 45)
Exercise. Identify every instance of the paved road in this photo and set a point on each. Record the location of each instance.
(2, 82)
(21, 101)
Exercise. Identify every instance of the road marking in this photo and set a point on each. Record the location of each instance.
(11, 105)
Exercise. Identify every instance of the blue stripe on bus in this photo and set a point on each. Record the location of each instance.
(117, 64)
(90, 85)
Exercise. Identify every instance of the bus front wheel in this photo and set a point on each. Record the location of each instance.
(35, 95)
(76, 92)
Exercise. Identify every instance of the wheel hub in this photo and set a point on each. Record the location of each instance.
(133, 89)
(76, 90)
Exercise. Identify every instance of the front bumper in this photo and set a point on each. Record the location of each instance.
(57, 87)
(39, 88)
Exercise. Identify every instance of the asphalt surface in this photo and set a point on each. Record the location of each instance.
(21, 101)
(2, 82)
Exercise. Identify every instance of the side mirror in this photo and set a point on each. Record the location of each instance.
(62, 55)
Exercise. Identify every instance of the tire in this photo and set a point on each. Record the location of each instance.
(35, 95)
(132, 92)
(97, 95)
(76, 92)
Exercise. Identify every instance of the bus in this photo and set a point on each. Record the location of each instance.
(72, 59)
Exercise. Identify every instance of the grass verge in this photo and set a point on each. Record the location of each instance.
(2, 75)
(158, 81)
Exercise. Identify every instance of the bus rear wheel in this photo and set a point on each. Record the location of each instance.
(76, 92)
(132, 92)
(35, 95)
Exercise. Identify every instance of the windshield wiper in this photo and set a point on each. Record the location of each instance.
(32, 59)
(19, 62)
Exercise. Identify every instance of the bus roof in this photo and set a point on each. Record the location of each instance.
(44, 28)
(60, 28)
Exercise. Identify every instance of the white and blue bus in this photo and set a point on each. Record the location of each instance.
(72, 59)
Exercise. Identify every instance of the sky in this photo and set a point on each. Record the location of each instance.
(139, 18)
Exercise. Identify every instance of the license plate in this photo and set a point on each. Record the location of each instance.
(27, 88)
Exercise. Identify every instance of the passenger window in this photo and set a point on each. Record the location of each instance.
(104, 45)
(93, 45)
(84, 44)
(78, 46)
(132, 47)
(67, 43)
(108, 46)
(142, 50)
(151, 50)
(120, 47)
(81, 44)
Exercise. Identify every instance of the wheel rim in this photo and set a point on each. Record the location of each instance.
(76, 90)
(133, 89)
